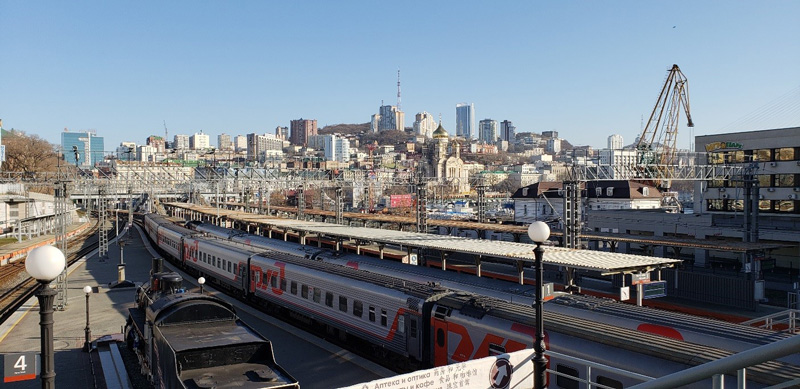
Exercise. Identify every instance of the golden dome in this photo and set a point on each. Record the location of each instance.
(440, 132)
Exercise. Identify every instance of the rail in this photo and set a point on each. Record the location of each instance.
(737, 362)
(777, 320)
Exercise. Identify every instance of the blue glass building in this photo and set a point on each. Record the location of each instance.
(86, 143)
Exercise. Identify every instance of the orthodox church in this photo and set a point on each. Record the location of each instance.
(443, 161)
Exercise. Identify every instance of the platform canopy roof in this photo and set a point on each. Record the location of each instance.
(605, 262)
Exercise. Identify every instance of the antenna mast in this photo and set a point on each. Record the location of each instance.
(398, 90)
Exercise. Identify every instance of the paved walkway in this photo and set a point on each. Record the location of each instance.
(108, 312)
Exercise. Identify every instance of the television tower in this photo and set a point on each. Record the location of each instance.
(398, 90)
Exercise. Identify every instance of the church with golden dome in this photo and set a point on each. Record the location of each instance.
(443, 161)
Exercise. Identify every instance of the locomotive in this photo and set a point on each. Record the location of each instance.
(423, 324)
(192, 340)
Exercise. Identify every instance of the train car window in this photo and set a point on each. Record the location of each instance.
(566, 382)
(371, 313)
(317, 295)
(383, 317)
(283, 284)
(496, 349)
(610, 382)
(273, 281)
(343, 303)
(358, 308)
(294, 287)
(230, 270)
(412, 328)
(304, 291)
(329, 299)
(401, 324)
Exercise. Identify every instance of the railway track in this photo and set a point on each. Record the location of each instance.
(16, 287)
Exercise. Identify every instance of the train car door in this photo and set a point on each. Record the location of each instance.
(439, 342)
(413, 336)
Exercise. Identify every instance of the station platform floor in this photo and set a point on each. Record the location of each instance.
(107, 310)
(11, 250)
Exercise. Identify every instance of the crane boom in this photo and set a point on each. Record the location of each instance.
(657, 143)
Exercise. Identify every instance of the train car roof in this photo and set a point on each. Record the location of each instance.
(209, 334)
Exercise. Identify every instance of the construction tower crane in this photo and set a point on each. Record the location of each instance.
(657, 143)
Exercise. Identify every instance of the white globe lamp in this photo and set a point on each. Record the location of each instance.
(45, 263)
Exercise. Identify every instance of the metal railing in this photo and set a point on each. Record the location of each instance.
(737, 362)
(776, 321)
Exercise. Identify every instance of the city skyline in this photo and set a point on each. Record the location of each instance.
(583, 69)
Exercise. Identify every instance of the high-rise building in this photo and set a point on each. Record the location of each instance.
(126, 151)
(465, 120)
(146, 153)
(224, 142)
(259, 147)
(615, 142)
(180, 142)
(281, 132)
(336, 148)
(87, 144)
(487, 131)
(199, 141)
(301, 129)
(240, 143)
(549, 134)
(553, 145)
(390, 118)
(507, 131)
(424, 124)
(374, 122)
(157, 142)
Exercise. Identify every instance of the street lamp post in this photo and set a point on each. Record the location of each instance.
(44, 264)
(201, 281)
(87, 344)
(539, 232)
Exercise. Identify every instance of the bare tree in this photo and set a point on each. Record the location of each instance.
(29, 153)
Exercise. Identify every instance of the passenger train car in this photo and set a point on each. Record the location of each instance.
(700, 330)
(423, 324)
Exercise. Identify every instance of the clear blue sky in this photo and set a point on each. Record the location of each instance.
(584, 68)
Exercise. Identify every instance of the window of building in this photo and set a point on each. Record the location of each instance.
(371, 313)
(566, 382)
(784, 154)
(762, 155)
(329, 299)
(715, 205)
(764, 205)
(304, 291)
(343, 303)
(383, 317)
(764, 180)
(716, 158)
(784, 180)
(786, 206)
(358, 308)
(294, 287)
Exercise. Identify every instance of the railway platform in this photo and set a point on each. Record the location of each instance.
(14, 251)
(107, 309)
